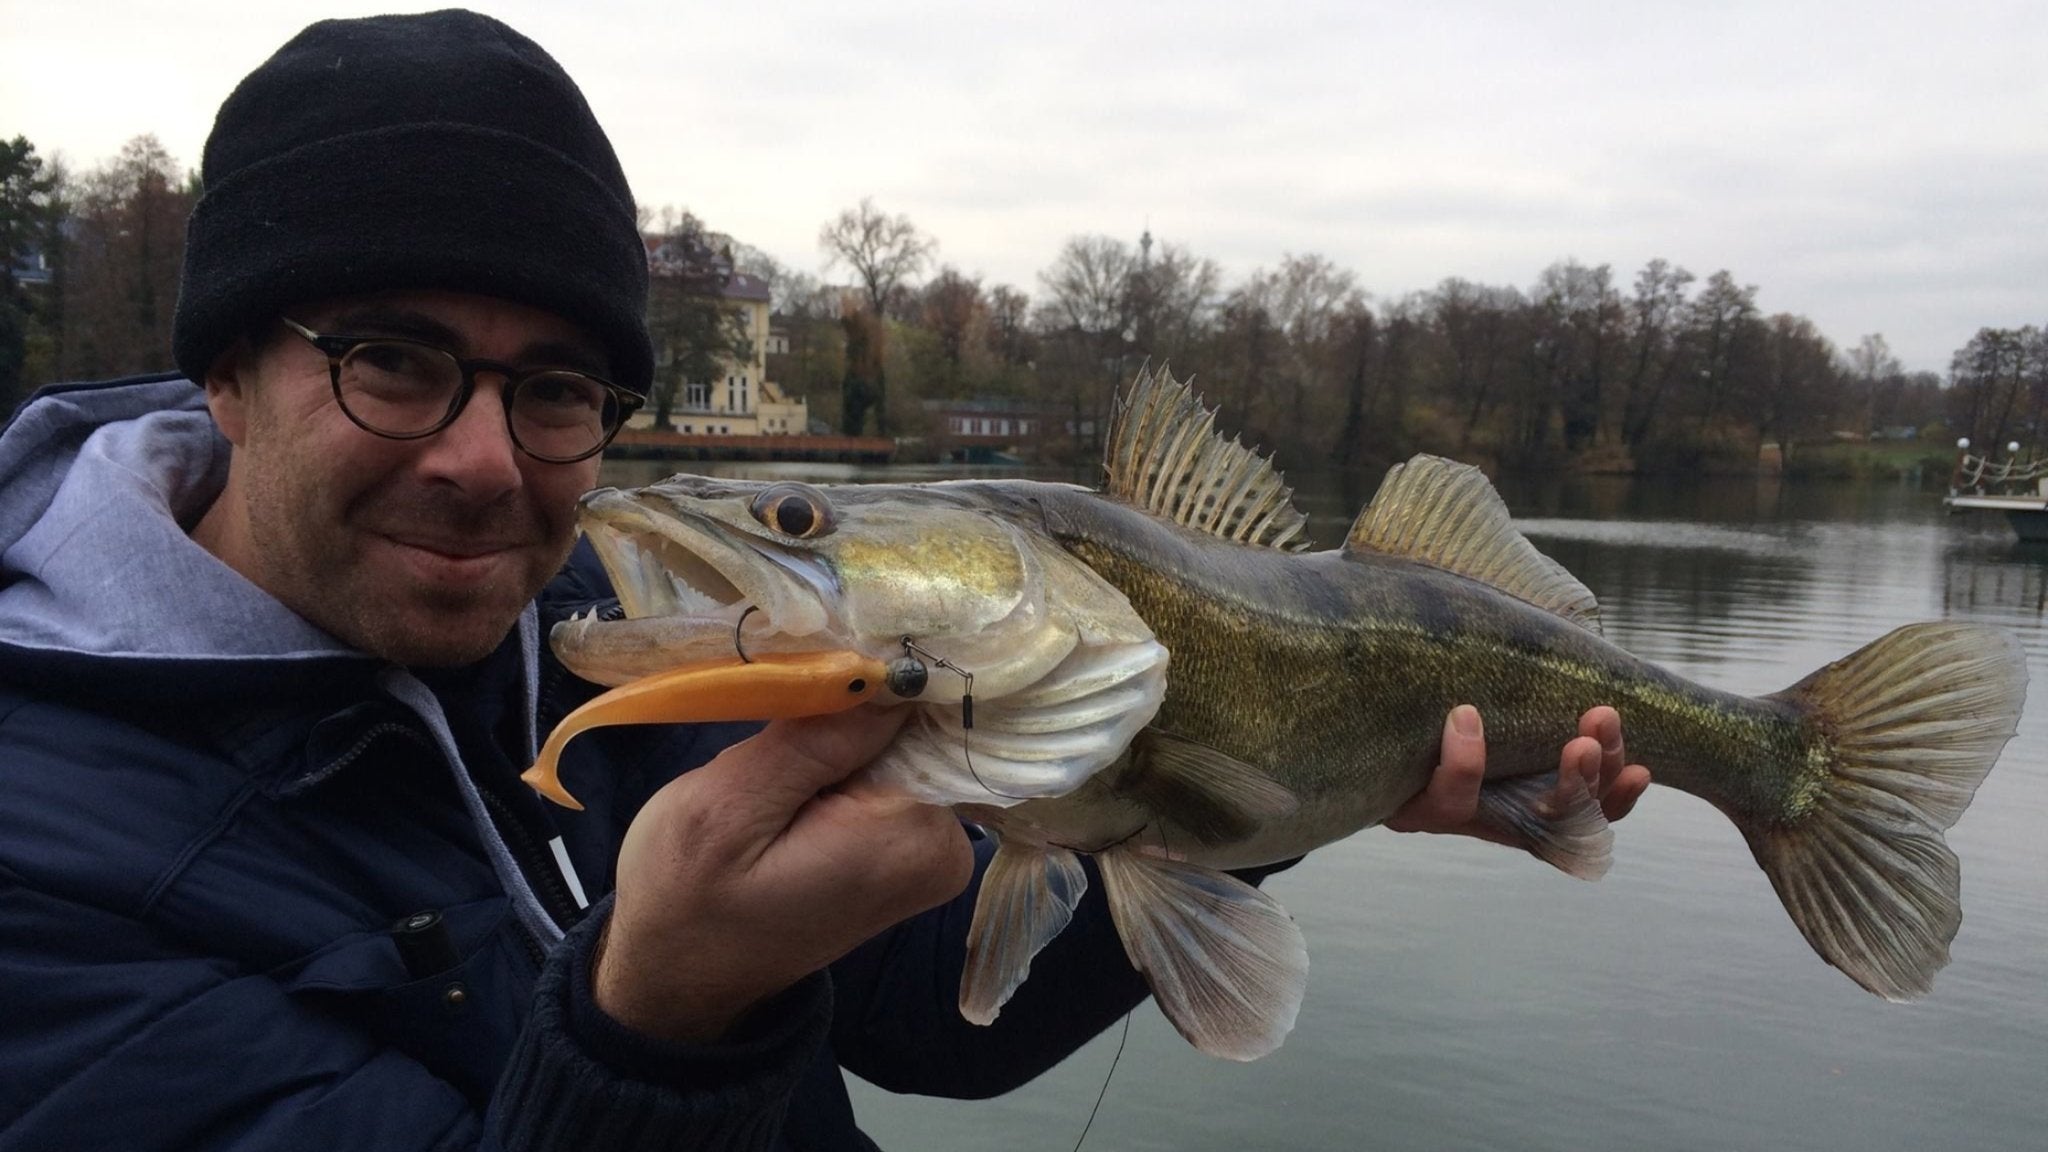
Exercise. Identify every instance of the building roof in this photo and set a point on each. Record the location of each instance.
(703, 261)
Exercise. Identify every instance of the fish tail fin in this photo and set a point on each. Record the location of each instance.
(1911, 724)
(1226, 963)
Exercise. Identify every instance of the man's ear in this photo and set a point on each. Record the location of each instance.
(229, 385)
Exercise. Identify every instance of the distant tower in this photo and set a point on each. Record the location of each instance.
(1145, 248)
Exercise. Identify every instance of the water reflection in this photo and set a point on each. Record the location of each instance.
(1462, 997)
(1993, 577)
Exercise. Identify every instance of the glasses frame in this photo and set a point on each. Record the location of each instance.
(337, 347)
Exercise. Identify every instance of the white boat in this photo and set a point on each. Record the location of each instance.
(2015, 487)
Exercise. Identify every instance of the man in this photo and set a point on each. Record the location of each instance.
(270, 662)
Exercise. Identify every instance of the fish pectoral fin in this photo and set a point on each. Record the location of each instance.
(1225, 961)
(1568, 832)
(1027, 897)
(1214, 797)
(1446, 514)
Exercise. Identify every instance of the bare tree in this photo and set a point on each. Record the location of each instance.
(1655, 311)
(882, 251)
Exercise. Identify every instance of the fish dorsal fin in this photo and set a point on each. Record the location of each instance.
(1165, 456)
(1444, 513)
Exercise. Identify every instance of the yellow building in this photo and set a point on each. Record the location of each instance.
(739, 399)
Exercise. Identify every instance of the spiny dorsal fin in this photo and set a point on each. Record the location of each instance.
(1165, 456)
(1444, 513)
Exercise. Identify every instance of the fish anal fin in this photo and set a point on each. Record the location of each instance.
(1027, 897)
(1165, 456)
(1568, 832)
(1225, 961)
(1446, 514)
(1212, 796)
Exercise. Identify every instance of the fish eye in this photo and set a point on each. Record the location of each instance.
(797, 510)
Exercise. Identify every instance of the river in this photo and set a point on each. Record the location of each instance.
(1462, 996)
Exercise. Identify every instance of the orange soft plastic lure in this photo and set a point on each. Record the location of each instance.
(771, 687)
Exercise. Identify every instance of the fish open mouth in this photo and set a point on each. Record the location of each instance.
(688, 591)
(655, 576)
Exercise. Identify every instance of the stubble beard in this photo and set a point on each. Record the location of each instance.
(310, 550)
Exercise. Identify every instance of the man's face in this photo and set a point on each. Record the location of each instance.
(421, 551)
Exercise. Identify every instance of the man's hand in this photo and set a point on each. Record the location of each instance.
(739, 879)
(1450, 802)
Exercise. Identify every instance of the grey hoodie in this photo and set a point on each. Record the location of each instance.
(100, 585)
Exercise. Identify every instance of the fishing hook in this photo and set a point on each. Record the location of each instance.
(911, 654)
(736, 626)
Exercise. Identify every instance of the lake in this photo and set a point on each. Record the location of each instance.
(1463, 996)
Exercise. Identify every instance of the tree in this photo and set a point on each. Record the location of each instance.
(1009, 318)
(1472, 328)
(1171, 298)
(119, 263)
(695, 330)
(1724, 334)
(882, 251)
(28, 217)
(1084, 323)
(1654, 314)
(956, 313)
(1990, 376)
(1315, 304)
(1873, 367)
(1799, 382)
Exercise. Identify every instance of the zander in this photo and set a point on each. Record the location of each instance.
(1164, 678)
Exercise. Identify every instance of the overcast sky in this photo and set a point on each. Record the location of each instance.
(1877, 166)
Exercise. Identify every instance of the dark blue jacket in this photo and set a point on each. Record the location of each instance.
(212, 817)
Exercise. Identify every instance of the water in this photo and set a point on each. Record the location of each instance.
(1462, 996)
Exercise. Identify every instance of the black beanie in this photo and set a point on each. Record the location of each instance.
(440, 151)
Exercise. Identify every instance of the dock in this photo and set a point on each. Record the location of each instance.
(657, 444)
(2018, 489)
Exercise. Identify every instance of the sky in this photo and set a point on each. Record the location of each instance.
(1880, 167)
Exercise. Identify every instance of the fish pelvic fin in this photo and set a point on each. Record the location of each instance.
(1165, 456)
(1028, 896)
(1566, 830)
(1225, 961)
(1446, 514)
(1914, 721)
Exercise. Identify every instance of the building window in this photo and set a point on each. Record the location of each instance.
(696, 394)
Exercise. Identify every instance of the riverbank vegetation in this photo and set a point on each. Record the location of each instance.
(1584, 368)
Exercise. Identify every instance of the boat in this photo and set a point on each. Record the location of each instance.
(2018, 488)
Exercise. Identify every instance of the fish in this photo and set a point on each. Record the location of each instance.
(1164, 676)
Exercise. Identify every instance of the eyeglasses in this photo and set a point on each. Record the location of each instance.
(408, 389)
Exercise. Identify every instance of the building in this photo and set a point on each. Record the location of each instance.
(979, 431)
(737, 399)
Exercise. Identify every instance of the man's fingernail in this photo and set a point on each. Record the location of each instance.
(1465, 720)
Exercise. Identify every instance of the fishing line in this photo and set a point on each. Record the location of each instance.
(1113, 1060)
(911, 654)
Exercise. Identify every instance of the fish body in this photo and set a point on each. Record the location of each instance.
(1330, 674)
(1165, 679)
